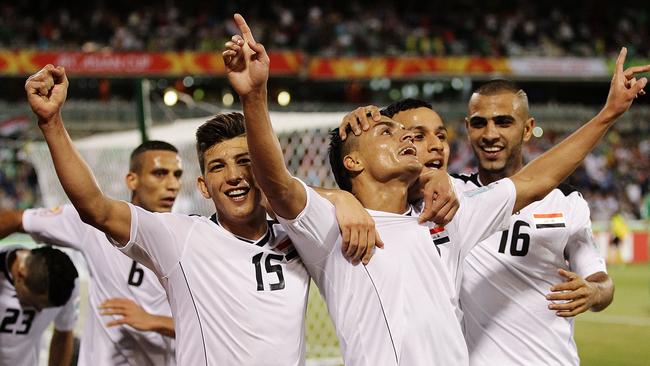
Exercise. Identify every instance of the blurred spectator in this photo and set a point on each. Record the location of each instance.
(18, 182)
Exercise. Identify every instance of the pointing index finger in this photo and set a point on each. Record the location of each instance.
(244, 28)
(620, 61)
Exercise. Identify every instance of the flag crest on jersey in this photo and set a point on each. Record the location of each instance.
(549, 220)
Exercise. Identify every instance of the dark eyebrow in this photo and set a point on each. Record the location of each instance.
(477, 119)
(505, 117)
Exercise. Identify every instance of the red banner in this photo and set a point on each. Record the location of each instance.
(403, 67)
(136, 63)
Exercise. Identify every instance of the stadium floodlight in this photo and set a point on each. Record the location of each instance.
(538, 131)
(284, 98)
(227, 99)
(170, 98)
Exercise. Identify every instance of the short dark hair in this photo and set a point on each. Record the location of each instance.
(134, 162)
(51, 272)
(220, 128)
(498, 86)
(338, 149)
(404, 105)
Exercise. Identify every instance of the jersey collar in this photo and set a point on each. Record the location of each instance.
(268, 236)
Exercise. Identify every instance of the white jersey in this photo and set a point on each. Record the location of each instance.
(399, 309)
(507, 276)
(21, 328)
(112, 274)
(234, 301)
(483, 211)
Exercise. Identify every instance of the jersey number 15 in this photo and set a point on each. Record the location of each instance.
(270, 268)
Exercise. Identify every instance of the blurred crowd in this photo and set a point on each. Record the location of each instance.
(18, 182)
(335, 28)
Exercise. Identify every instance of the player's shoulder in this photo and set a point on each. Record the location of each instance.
(467, 180)
(568, 194)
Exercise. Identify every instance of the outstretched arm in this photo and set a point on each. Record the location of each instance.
(247, 66)
(11, 222)
(539, 177)
(135, 316)
(46, 93)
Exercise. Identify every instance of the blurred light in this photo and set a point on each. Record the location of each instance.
(188, 81)
(375, 84)
(438, 87)
(428, 89)
(538, 131)
(228, 99)
(170, 98)
(284, 98)
(385, 83)
(457, 83)
(410, 91)
(395, 94)
(198, 94)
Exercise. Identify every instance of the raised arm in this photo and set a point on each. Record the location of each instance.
(247, 66)
(46, 94)
(11, 222)
(539, 177)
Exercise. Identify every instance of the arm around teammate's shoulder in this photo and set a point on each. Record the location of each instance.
(11, 221)
(46, 93)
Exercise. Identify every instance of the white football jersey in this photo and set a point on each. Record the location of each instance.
(112, 274)
(234, 301)
(399, 309)
(483, 211)
(21, 328)
(507, 276)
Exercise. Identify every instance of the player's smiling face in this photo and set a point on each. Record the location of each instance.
(497, 126)
(388, 151)
(157, 183)
(430, 136)
(229, 182)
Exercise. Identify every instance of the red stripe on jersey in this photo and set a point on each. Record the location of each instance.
(437, 229)
(284, 244)
(547, 216)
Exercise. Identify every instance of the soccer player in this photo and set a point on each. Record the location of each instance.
(129, 319)
(407, 293)
(236, 286)
(39, 286)
(547, 254)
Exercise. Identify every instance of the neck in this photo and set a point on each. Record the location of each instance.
(379, 196)
(489, 176)
(252, 228)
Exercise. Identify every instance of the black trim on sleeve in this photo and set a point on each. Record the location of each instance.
(567, 189)
(468, 178)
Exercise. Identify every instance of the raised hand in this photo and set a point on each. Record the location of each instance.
(247, 64)
(624, 87)
(46, 92)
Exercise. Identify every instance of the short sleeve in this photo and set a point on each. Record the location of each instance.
(484, 211)
(156, 240)
(581, 250)
(314, 231)
(60, 225)
(67, 317)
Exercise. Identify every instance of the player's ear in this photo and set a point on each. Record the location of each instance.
(529, 124)
(203, 187)
(131, 180)
(353, 163)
